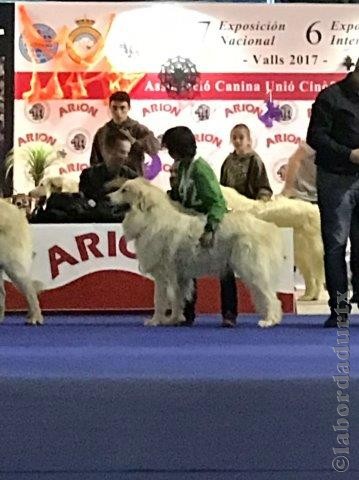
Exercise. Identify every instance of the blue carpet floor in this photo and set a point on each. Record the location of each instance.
(102, 397)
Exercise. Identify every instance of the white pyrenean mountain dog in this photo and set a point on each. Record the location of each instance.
(16, 258)
(167, 246)
(304, 218)
(57, 184)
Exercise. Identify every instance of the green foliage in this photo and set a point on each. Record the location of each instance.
(38, 158)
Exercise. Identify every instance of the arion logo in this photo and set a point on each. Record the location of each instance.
(288, 112)
(37, 112)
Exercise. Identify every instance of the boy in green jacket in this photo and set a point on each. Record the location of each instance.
(197, 188)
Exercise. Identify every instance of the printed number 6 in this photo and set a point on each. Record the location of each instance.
(313, 35)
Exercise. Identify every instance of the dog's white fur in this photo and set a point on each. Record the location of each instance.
(16, 258)
(304, 218)
(51, 185)
(168, 248)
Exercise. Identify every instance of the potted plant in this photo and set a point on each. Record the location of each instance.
(37, 157)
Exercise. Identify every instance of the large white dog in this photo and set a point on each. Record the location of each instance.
(304, 218)
(57, 184)
(16, 258)
(167, 247)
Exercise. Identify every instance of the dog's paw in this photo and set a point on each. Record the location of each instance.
(35, 320)
(308, 298)
(168, 321)
(155, 321)
(267, 323)
(175, 320)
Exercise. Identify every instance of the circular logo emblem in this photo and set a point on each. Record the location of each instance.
(78, 140)
(37, 112)
(45, 53)
(202, 112)
(153, 166)
(82, 41)
(288, 112)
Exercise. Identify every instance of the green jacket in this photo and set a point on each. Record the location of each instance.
(199, 189)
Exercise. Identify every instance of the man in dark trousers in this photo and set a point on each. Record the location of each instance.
(334, 133)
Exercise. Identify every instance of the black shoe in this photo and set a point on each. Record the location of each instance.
(355, 298)
(188, 322)
(229, 320)
(334, 318)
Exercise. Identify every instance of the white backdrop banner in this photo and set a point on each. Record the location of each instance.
(64, 253)
(70, 58)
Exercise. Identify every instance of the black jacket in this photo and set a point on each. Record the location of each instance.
(145, 142)
(76, 208)
(93, 180)
(334, 127)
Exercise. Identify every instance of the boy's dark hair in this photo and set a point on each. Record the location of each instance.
(244, 127)
(120, 97)
(180, 140)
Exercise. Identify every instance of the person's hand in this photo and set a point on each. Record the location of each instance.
(265, 198)
(207, 239)
(354, 156)
(127, 134)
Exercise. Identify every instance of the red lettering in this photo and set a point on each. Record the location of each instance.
(90, 247)
(111, 239)
(124, 250)
(57, 256)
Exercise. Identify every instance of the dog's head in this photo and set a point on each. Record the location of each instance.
(138, 194)
(23, 202)
(51, 185)
(114, 184)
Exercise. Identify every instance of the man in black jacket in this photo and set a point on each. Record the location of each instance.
(95, 180)
(117, 163)
(334, 133)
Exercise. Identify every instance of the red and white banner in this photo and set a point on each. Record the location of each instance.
(70, 58)
(64, 253)
(91, 267)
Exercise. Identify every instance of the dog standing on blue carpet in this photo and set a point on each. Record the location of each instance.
(16, 253)
(167, 244)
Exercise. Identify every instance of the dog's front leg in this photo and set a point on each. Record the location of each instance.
(2, 297)
(160, 304)
(180, 291)
(20, 279)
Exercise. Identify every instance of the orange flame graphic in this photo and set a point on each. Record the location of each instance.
(76, 84)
